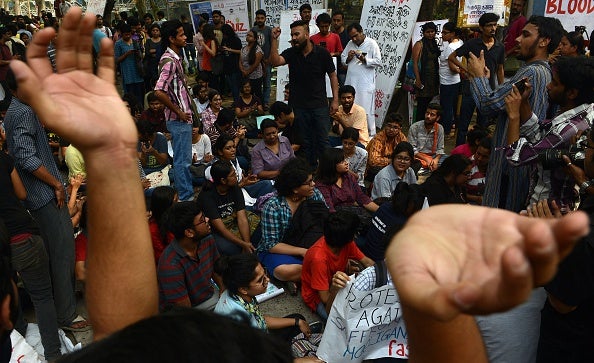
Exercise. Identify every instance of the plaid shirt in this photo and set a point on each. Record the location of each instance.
(276, 219)
(28, 145)
(172, 82)
(553, 134)
(492, 103)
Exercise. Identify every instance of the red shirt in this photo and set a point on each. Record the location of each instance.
(319, 265)
(80, 247)
(333, 44)
(158, 245)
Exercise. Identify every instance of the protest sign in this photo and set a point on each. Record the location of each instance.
(234, 11)
(572, 13)
(470, 11)
(273, 8)
(390, 23)
(96, 7)
(364, 325)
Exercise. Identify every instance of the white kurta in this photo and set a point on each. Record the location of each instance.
(362, 76)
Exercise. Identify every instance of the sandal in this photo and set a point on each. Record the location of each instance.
(79, 324)
(292, 288)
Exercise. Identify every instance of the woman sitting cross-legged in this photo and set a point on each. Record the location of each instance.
(296, 206)
(244, 278)
(272, 152)
(224, 205)
(399, 170)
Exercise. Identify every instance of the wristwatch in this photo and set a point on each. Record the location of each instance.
(585, 185)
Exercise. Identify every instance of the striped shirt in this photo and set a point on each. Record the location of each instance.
(28, 145)
(181, 276)
(507, 186)
(172, 82)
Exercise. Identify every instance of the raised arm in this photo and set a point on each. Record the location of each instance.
(275, 58)
(87, 110)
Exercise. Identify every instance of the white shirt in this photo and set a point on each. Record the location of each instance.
(362, 75)
(446, 76)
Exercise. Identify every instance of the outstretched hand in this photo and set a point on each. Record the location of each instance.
(477, 260)
(73, 101)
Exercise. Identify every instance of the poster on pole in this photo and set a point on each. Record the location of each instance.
(284, 42)
(96, 7)
(234, 11)
(364, 325)
(572, 14)
(391, 24)
(469, 11)
(274, 8)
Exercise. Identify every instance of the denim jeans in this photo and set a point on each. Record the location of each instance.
(30, 259)
(181, 137)
(260, 188)
(314, 125)
(266, 85)
(448, 95)
(58, 235)
(466, 110)
(233, 81)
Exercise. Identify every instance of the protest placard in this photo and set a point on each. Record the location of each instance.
(572, 13)
(470, 11)
(235, 13)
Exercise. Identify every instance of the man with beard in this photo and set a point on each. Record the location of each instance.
(494, 59)
(507, 186)
(308, 66)
(339, 28)
(305, 12)
(516, 23)
(264, 38)
(350, 115)
(363, 56)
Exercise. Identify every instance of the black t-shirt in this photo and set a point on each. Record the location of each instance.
(188, 31)
(231, 60)
(438, 192)
(295, 138)
(15, 216)
(217, 206)
(307, 76)
(493, 57)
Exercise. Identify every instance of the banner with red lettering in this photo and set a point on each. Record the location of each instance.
(234, 11)
(572, 13)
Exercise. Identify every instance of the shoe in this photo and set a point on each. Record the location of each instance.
(291, 288)
(79, 324)
(316, 327)
(423, 172)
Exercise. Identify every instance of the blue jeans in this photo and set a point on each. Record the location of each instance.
(266, 85)
(57, 232)
(233, 81)
(259, 188)
(314, 125)
(321, 311)
(466, 110)
(30, 259)
(448, 95)
(181, 137)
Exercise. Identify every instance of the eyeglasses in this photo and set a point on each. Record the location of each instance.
(404, 159)
(201, 221)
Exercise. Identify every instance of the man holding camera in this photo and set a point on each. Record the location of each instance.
(542, 144)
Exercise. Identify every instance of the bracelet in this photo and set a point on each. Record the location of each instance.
(297, 321)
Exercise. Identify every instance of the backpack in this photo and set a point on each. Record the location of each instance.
(307, 225)
(381, 273)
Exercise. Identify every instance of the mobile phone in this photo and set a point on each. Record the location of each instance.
(521, 85)
(364, 54)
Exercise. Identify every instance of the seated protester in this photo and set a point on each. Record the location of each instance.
(224, 206)
(211, 113)
(475, 186)
(406, 200)
(399, 170)
(272, 152)
(355, 156)
(473, 138)
(247, 107)
(201, 99)
(381, 146)
(282, 258)
(427, 138)
(339, 187)
(152, 148)
(162, 199)
(225, 150)
(185, 272)
(75, 201)
(201, 155)
(133, 105)
(226, 124)
(75, 162)
(445, 185)
(331, 253)
(285, 119)
(244, 278)
(350, 115)
(155, 114)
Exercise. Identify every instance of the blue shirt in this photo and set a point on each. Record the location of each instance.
(128, 66)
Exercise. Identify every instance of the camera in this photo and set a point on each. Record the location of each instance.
(553, 158)
(580, 29)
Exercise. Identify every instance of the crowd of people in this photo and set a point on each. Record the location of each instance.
(298, 207)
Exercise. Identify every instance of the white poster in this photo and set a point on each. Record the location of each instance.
(284, 42)
(274, 8)
(471, 11)
(235, 13)
(364, 325)
(572, 13)
(96, 6)
(390, 23)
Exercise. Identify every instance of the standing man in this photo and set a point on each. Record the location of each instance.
(104, 29)
(264, 38)
(516, 23)
(189, 49)
(339, 28)
(46, 201)
(172, 91)
(308, 66)
(362, 55)
(305, 12)
(507, 186)
(494, 58)
(325, 38)
(127, 56)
